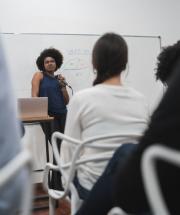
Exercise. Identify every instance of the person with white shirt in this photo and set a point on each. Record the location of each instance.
(106, 108)
(121, 183)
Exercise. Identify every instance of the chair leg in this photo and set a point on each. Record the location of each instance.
(52, 204)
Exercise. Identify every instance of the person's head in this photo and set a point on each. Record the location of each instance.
(167, 62)
(49, 60)
(109, 57)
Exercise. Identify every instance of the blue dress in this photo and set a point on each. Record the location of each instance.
(50, 87)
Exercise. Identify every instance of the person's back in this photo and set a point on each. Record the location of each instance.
(110, 109)
(106, 109)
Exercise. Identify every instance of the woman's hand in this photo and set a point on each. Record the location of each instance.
(62, 80)
(63, 84)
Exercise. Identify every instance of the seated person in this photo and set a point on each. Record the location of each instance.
(122, 186)
(105, 108)
(12, 193)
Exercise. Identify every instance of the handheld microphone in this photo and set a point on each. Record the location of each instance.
(65, 83)
(62, 81)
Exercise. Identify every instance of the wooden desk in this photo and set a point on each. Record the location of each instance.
(38, 120)
(32, 121)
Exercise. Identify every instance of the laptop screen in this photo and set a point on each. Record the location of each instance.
(33, 107)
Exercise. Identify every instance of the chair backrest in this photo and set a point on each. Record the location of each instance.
(11, 169)
(150, 179)
(91, 143)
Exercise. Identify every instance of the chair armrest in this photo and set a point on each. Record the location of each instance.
(15, 165)
(55, 194)
(47, 169)
(117, 211)
(150, 177)
(68, 178)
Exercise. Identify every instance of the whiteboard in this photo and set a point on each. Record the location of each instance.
(23, 49)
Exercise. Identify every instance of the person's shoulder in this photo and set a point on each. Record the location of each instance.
(136, 93)
(38, 75)
(83, 95)
(85, 92)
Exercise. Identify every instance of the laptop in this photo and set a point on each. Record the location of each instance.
(33, 107)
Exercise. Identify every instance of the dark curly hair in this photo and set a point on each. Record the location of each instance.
(109, 57)
(167, 60)
(51, 52)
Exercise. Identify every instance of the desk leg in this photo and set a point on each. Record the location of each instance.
(48, 130)
(47, 149)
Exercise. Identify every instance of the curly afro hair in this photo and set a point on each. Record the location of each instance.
(166, 62)
(51, 52)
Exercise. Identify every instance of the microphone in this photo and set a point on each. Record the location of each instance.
(63, 81)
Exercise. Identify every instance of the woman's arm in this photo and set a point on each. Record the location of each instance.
(62, 82)
(65, 95)
(35, 84)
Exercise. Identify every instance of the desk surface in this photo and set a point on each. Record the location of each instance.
(36, 119)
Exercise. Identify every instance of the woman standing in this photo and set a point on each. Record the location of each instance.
(46, 84)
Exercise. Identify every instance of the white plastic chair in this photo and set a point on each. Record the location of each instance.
(11, 169)
(117, 211)
(150, 178)
(69, 186)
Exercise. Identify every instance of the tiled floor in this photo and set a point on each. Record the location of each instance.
(63, 205)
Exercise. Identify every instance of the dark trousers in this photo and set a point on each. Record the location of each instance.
(100, 199)
(57, 124)
(82, 192)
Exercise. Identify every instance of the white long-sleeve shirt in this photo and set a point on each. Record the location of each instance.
(103, 109)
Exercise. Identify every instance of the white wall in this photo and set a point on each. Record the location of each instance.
(136, 17)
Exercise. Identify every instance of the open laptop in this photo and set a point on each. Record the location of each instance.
(33, 107)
